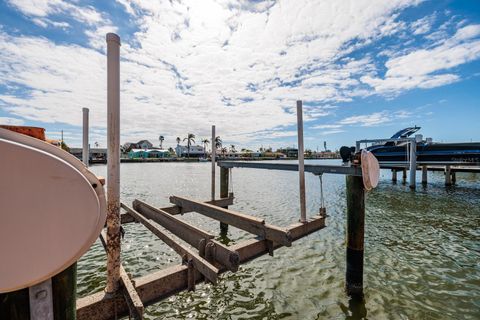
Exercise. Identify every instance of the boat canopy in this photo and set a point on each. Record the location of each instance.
(404, 133)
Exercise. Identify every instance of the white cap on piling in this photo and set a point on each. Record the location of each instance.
(113, 37)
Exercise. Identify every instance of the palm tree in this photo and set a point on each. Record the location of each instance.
(224, 150)
(205, 143)
(232, 148)
(161, 138)
(218, 142)
(190, 138)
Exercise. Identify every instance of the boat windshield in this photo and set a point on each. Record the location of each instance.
(404, 133)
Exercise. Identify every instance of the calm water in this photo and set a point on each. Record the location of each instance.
(421, 258)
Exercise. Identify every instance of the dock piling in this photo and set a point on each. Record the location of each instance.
(301, 162)
(448, 176)
(224, 175)
(113, 162)
(355, 235)
(424, 174)
(394, 175)
(413, 164)
(85, 148)
(404, 175)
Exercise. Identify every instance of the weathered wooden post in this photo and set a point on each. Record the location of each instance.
(214, 151)
(404, 175)
(224, 194)
(413, 163)
(394, 175)
(355, 235)
(424, 175)
(454, 177)
(85, 148)
(448, 176)
(301, 162)
(113, 162)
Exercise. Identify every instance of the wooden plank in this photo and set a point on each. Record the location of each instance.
(165, 283)
(223, 255)
(242, 221)
(174, 210)
(254, 248)
(207, 269)
(187, 232)
(190, 234)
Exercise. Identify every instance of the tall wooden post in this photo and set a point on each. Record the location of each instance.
(404, 175)
(224, 194)
(454, 177)
(394, 175)
(355, 235)
(213, 158)
(301, 164)
(424, 175)
(85, 147)
(113, 162)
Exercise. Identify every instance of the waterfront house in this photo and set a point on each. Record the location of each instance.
(148, 153)
(142, 144)
(195, 151)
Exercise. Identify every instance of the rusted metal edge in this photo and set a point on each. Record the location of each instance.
(164, 283)
(134, 303)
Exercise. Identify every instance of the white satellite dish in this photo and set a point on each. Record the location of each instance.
(52, 210)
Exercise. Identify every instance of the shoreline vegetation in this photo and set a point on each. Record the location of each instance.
(150, 160)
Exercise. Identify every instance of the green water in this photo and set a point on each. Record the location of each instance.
(422, 249)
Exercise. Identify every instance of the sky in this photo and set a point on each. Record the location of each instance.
(363, 69)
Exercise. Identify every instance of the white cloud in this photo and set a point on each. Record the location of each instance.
(239, 65)
(11, 121)
(423, 25)
(419, 68)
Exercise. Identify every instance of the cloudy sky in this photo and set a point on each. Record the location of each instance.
(364, 69)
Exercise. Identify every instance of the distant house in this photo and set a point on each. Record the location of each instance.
(142, 144)
(95, 153)
(148, 153)
(195, 151)
(289, 152)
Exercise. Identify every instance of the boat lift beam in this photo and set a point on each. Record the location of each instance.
(312, 168)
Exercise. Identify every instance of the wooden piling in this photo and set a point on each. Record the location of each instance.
(85, 148)
(113, 162)
(448, 176)
(454, 177)
(224, 176)
(424, 174)
(16, 305)
(404, 175)
(355, 235)
(394, 175)
(64, 287)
